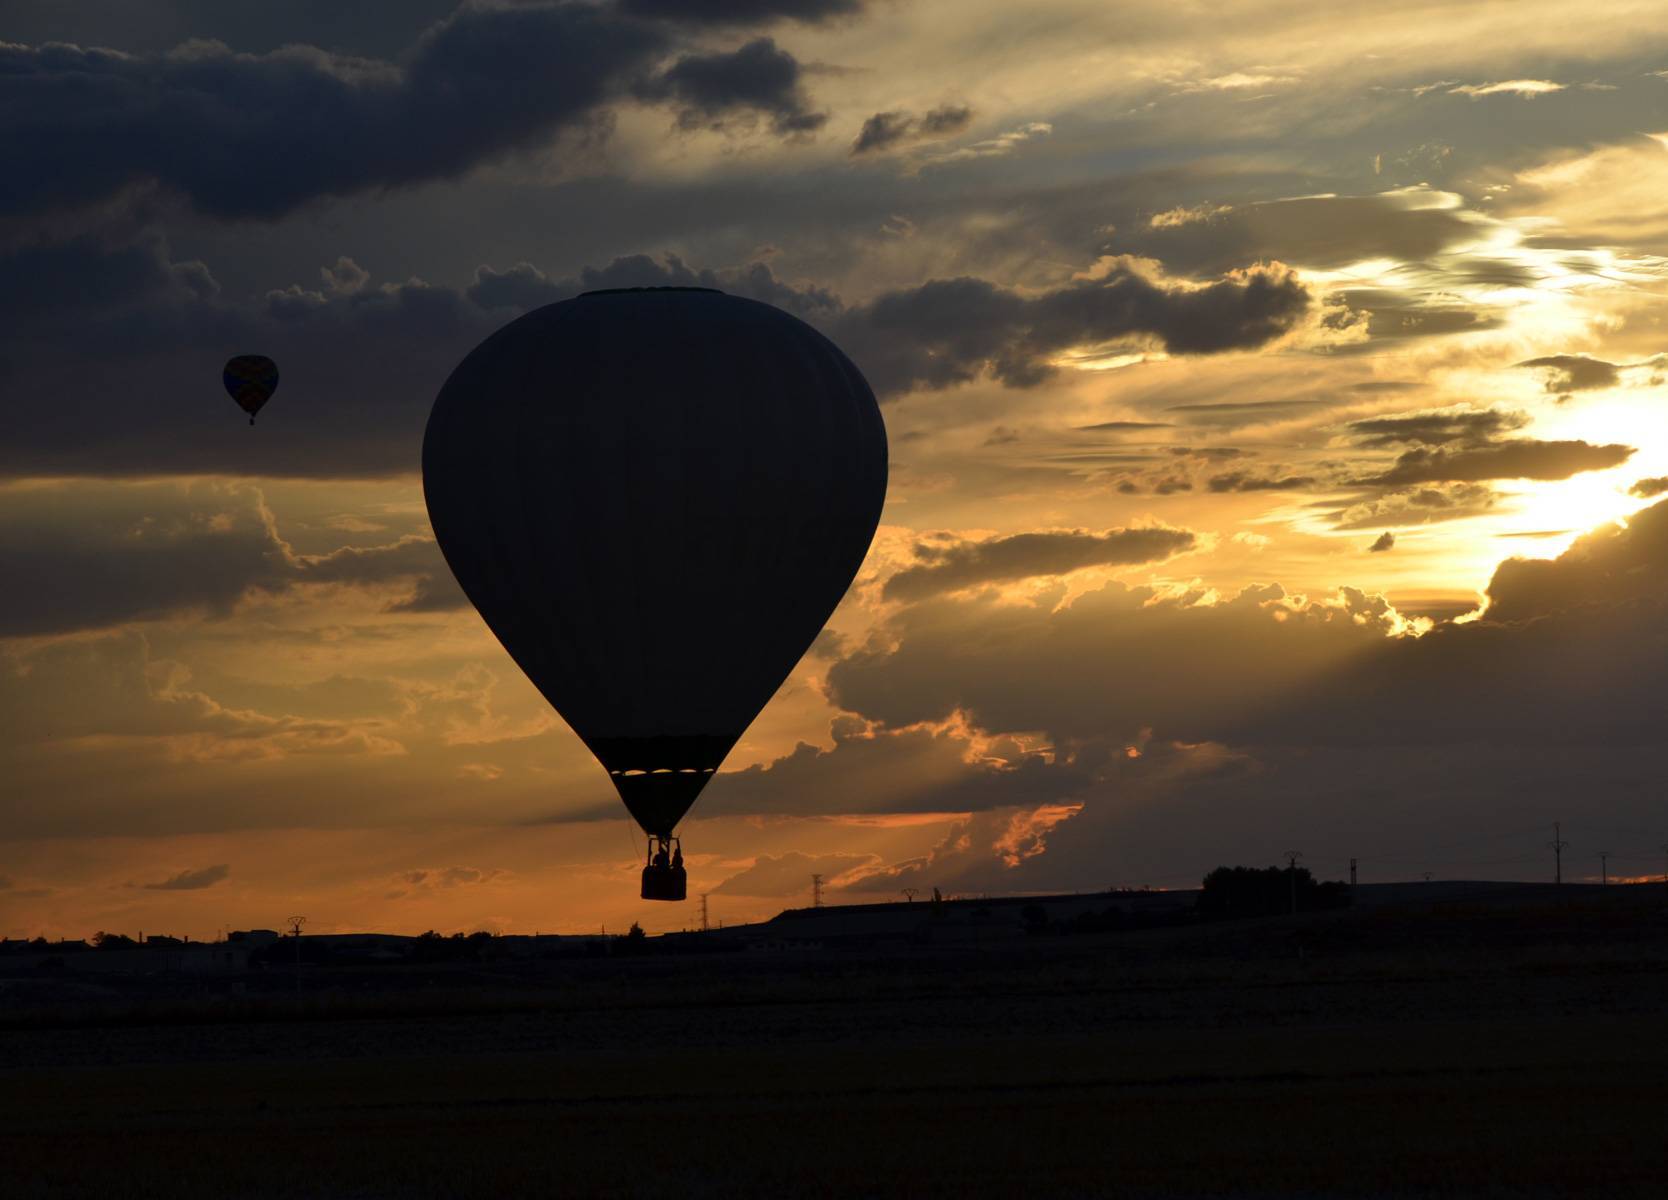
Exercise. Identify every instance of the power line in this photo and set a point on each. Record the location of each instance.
(1617, 829)
(1460, 846)
(1557, 845)
(295, 924)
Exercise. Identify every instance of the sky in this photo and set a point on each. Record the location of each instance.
(1278, 410)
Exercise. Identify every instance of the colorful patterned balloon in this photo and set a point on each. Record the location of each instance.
(250, 379)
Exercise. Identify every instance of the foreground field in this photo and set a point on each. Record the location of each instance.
(1437, 1054)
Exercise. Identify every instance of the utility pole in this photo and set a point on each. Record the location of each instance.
(1352, 874)
(1558, 845)
(295, 932)
(816, 891)
(703, 912)
(1604, 866)
(1291, 869)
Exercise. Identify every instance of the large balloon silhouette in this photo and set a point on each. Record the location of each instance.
(250, 379)
(656, 497)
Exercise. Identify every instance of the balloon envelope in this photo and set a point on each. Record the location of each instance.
(250, 379)
(655, 498)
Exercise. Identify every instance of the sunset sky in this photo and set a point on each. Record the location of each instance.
(1278, 410)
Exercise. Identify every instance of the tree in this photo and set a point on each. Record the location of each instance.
(1266, 891)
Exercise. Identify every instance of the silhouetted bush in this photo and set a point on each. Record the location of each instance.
(1266, 891)
(431, 947)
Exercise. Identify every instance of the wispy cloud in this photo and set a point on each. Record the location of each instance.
(994, 147)
(191, 881)
(1507, 87)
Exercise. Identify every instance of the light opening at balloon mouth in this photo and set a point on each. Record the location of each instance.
(630, 290)
(666, 771)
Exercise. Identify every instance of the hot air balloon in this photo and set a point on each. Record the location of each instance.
(655, 497)
(250, 379)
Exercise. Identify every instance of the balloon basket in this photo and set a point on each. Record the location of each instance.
(664, 877)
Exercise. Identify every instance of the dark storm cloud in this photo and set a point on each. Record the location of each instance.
(113, 733)
(1438, 428)
(885, 130)
(76, 560)
(948, 567)
(85, 555)
(1324, 232)
(1567, 373)
(1646, 488)
(244, 135)
(882, 130)
(380, 28)
(191, 881)
(69, 279)
(425, 881)
(131, 385)
(1609, 566)
(1238, 414)
(1401, 316)
(412, 556)
(740, 12)
(1254, 407)
(436, 591)
(903, 771)
(1455, 453)
(116, 370)
(1377, 386)
(1569, 655)
(1414, 506)
(828, 645)
(1216, 454)
(1570, 652)
(714, 88)
(945, 119)
(1243, 481)
(1112, 663)
(790, 874)
(1526, 459)
(524, 286)
(1383, 542)
(952, 331)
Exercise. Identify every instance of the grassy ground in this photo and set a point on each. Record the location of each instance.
(1450, 1054)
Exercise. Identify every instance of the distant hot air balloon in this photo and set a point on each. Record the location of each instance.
(250, 379)
(656, 497)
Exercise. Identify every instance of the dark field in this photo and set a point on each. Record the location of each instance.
(1457, 1052)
